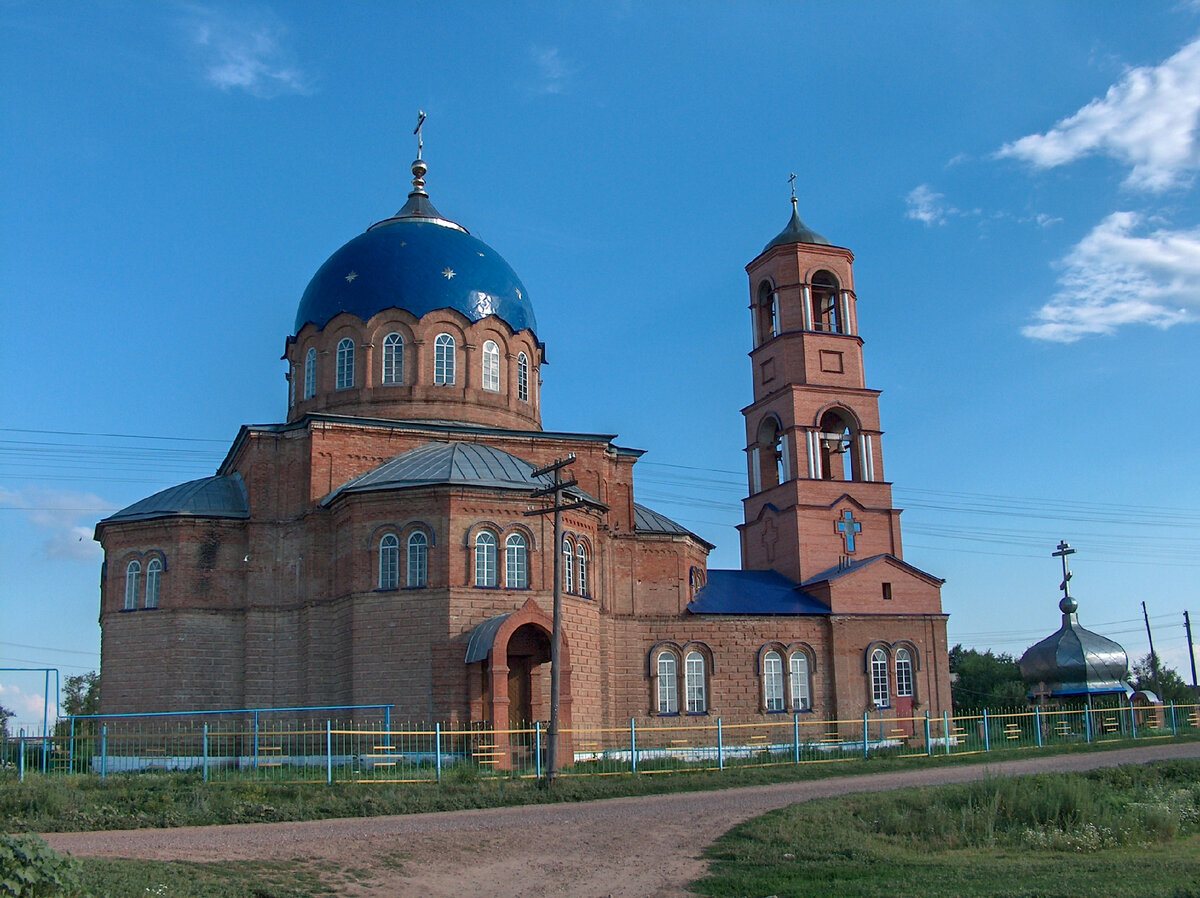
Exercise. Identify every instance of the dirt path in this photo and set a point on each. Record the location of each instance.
(619, 848)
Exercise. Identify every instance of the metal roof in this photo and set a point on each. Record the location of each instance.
(209, 497)
(646, 520)
(797, 232)
(482, 638)
(1075, 661)
(753, 592)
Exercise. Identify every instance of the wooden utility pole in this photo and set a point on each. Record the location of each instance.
(557, 508)
(1187, 626)
(1153, 654)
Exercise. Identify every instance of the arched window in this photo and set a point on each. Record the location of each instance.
(581, 568)
(443, 360)
(310, 374)
(153, 578)
(879, 679)
(838, 448)
(393, 360)
(345, 364)
(774, 465)
(798, 673)
(772, 681)
(767, 312)
(389, 562)
(693, 666)
(491, 367)
(568, 576)
(668, 688)
(523, 377)
(825, 299)
(485, 559)
(904, 677)
(516, 567)
(133, 573)
(418, 559)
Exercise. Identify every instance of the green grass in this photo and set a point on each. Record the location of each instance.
(1132, 830)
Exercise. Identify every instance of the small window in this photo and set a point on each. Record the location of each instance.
(668, 689)
(485, 559)
(523, 377)
(581, 568)
(389, 562)
(887, 592)
(491, 367)
(153, 578)
(568, 576)
(418, 560)
(798, 671)
(904, 678)
(516, 566)
(393, 360)
(345, 364)
(310, 374)
(694, 679)
(133, 573)
(773, 681)
(443, 360)
(879, 679)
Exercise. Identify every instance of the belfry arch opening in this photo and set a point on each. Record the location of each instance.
(826, 305)
(839, 447)
(766, 313)
(774, 466)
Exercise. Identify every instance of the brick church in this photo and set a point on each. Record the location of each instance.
(376, 546)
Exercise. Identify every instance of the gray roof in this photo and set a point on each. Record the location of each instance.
(459, 464)
(209, 497)
(482, 638)
(646, 520)
(1075, 661)
(796, 232)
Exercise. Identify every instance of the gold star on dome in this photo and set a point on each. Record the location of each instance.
(519, 296)
(481, 255)
(448, 273)
(351, 276)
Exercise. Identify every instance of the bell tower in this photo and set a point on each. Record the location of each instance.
(817, 496)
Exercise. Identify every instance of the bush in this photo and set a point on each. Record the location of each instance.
(29, 868)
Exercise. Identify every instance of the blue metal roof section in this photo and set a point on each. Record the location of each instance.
(482, 638)
(459, 464)
(753, 592)
(210, 497)
(419, 265)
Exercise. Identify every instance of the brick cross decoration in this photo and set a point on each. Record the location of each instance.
(847, 527)
(769, 535)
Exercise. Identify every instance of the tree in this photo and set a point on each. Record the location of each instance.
(1169, 685)
(981, 680)
(5, 714)
(81, 694)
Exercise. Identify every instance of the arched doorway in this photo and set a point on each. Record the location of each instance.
(528, 698)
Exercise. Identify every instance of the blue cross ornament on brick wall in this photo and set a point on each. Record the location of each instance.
(847, 527)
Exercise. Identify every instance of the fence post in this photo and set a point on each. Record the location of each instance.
(720, 746)
(71, 747)
(1132, 721)
(537, 746)
(796, 738)
(103, 750)
(21, 754)
(1037, 722)
(1174, 730)
(928, 743)
(329, 752)
(1087, 723)
(632, 746)
(204, 753)
(987, 736)
(256, 739)
(946, 729)
(865, 734)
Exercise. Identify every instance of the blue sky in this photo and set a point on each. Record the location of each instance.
(1017, 181)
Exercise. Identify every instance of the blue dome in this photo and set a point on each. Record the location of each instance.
(418, 265)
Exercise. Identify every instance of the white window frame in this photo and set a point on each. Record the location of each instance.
(345, 364)
(417, 574)
(581, 568)
(443, 360)
(491, 366)
(904, 674)
(516, 562)
(522, 377)
(668, 685)
(693, 676)
(389, 562)
(485, 559)
(773, 681)
(133, 573)
(310, 374)
(392, 374)
(879, 679)
(153, 582)
(568, 575)
(798, 673)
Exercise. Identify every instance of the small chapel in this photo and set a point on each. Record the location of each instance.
(385, 543)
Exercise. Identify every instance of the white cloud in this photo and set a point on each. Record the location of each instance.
(553, 72)
(246, 54)
(1147, 120)
(27, 708)
(926, 206)
(1114, 277)
(64, 520)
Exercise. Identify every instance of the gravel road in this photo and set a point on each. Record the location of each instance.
(646, 847)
